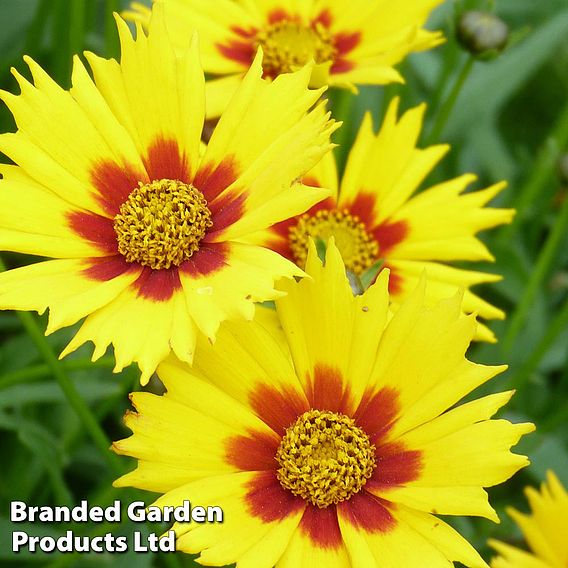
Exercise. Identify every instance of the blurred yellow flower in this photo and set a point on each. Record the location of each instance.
(328, 441)
(545, 530)
(146, 231)
(352, 42)
(375, 214)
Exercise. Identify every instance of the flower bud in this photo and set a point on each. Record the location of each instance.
(483, 34)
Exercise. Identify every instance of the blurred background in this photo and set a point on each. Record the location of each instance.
(506, 118)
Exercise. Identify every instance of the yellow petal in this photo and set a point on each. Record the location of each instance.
(141, 329)
(63, 286)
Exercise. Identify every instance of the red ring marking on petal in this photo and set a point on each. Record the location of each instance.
(324, 18)
(388, 235)
(395, 466)
(251, 32)
(377, 412)
(114, 184)
(104, 269)
(254, 452)
(157, 285)
(281, 246)
(239, 50)
(363, 206)
(269, 501)
(280, 15)
(326, 390)
(225, 211)
(368, 512)
(321, 526)
(395, 281)
(346, 42)
(166, 161)
(95, 229)
(342, 65)
(210, 258)
(278, 409)
(212, 179)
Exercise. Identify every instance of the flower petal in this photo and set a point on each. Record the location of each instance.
(33, 220)
(512, 557)
(321, 320)
(157, 95)
(442, 282)
(142, 324)
(389, 165)
(421, 352)
(442, 222)
(224, 283)
(66, 287)
(197, 434)
(242, 533)
(413, 540)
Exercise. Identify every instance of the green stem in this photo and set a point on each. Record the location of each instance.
(449, 62)
(540, 273)
(77, 403)
(35, 372)
(541, 174)
(558, 325)
(447, 108)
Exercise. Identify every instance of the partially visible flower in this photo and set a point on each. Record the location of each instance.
(375, 215)
(545, 530)
(147, 230)
(353, 42)
(332, 441)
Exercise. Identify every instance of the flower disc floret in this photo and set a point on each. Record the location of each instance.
(358, 248)
(325, 458)
(162, 223)
(287, 46)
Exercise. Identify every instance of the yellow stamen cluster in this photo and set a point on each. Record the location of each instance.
(325, 458)
(287, 46)
(358, 249)
(162, 223)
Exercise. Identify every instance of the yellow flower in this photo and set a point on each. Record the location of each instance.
(328, 441)
(351, 41)
(545, 530)
(145, 231)
(375, 214)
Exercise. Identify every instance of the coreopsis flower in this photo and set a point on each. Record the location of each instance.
(375, 216)
(544, 530)
(328, 441)
(143, 228)
(351, 41)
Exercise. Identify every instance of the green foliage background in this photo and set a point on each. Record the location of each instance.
(510, 121)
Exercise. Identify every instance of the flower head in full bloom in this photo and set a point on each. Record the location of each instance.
(351, 41)
(144, 229)
(328, 441)
(545, 530)
(376, 215)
